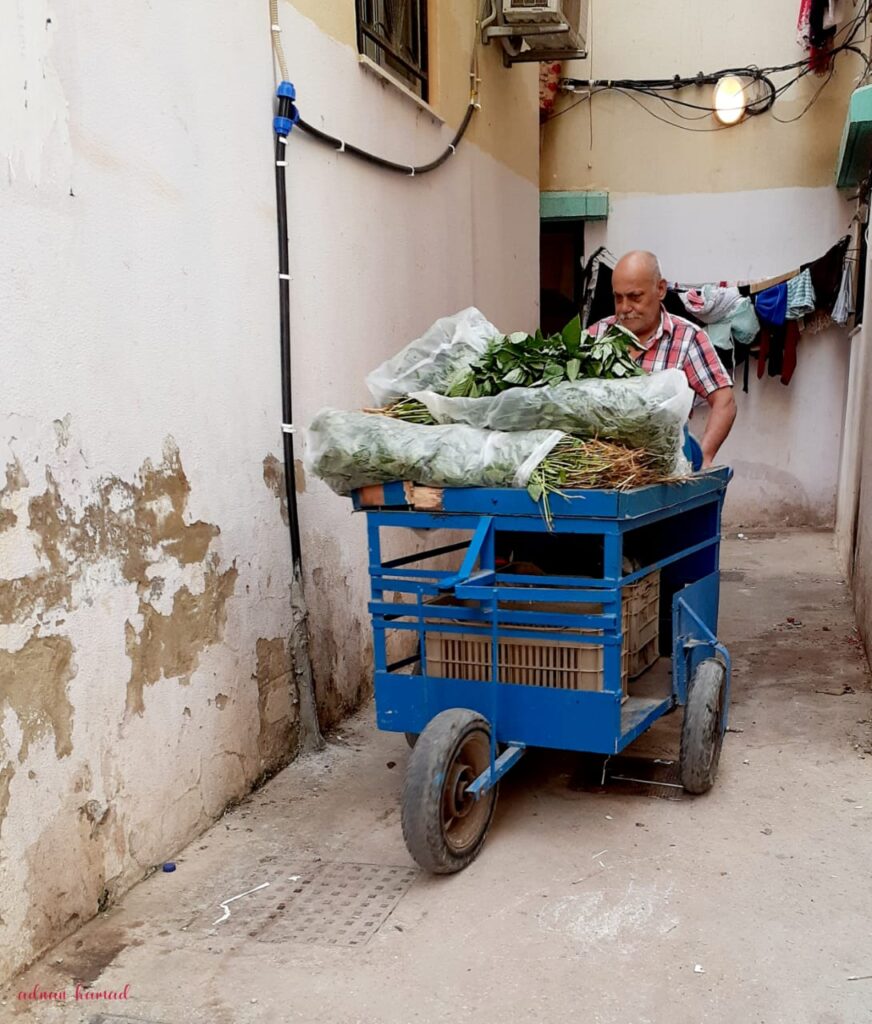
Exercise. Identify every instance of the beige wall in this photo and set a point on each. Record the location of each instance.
(509, 99)
(632, 152)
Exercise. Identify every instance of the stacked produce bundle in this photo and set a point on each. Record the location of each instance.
(466, 406)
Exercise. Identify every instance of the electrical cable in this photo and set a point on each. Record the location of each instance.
(653, 88)
(410, 170)
(390, 165)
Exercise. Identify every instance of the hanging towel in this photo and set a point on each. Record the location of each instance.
(800, 296)
(844, 306)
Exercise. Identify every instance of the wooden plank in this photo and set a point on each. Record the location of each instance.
(428, 499)
(397, 494)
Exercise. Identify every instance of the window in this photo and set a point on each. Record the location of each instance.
(393, 33)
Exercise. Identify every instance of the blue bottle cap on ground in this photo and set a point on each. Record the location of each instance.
(169, 866)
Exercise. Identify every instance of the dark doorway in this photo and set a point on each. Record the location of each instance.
(561, 252)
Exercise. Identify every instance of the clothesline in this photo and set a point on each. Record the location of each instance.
(604, 255)
(764, 317)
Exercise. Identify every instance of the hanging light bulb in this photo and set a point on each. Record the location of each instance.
(729, 100)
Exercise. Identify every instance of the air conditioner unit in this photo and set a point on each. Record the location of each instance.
(532, 30)
(533, 12)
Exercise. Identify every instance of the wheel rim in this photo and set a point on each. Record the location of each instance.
(464, 818)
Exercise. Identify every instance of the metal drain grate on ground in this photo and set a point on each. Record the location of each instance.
(636, 776)
(330, 904)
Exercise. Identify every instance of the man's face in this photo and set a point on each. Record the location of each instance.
(637, 299)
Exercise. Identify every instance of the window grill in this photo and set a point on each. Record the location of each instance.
(393, 34)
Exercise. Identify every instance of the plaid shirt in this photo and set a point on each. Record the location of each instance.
(678, 344)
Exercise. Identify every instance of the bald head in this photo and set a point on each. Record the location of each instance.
(639, 289)
(640, 263)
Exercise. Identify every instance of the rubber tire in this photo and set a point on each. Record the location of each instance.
(411, 739)
(702, 731)
(429, 764)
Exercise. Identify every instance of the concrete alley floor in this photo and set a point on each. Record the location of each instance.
(751, 904)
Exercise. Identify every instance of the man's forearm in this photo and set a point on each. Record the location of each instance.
(720, 421)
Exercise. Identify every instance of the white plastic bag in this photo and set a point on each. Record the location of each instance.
(642, 412)
(354, 449)
(431, 362)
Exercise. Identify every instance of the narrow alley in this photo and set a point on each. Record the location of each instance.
(625, 903)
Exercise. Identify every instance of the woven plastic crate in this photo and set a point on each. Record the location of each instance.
(556, 663)
(642, 613)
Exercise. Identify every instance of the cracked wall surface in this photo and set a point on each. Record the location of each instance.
(145, 575)
(116, 673)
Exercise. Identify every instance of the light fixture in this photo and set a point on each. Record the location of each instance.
(729, 100)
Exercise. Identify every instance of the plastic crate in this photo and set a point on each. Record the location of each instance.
(642, 613)
(555, 663)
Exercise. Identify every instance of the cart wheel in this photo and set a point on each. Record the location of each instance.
(411, 738)
(444, 828)
(702, 732)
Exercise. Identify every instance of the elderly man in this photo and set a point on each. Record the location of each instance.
(666, 341)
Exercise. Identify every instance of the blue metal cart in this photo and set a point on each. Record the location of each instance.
(469, 726)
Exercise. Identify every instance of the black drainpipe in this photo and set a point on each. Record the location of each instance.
(310, 734)
(285, 119)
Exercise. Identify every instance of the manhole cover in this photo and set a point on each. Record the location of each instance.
(637, 776)
(331, 904)
(341, 905)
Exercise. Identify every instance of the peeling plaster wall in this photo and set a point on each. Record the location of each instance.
(145, 675)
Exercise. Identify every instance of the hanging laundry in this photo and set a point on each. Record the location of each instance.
(729, 317)
(844, 306)
(816, 322)
(673, 303)
(791, 340)
(821, 36)
(602, 301)
(771, 304)
(836, 13)
(800, 296)
(803, 26)
(826, 274)
(742, 355)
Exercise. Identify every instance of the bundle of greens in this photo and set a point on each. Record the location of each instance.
(575, 463)
(531, 361)
(647, 412)
(354, 449)
(463, 406)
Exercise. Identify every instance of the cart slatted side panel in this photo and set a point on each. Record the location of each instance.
(541, 657)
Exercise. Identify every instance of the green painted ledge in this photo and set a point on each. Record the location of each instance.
(573, 205)
(856, 150)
